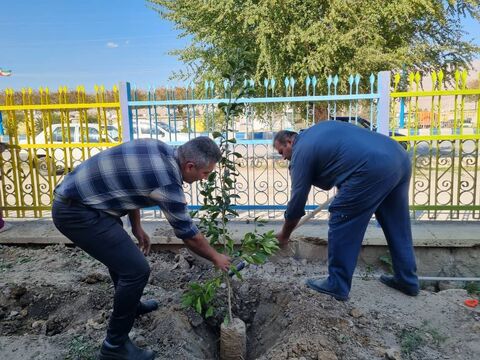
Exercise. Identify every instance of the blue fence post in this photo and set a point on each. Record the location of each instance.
(383, 108)
(1, 124)
(125, 112)
(401, 116)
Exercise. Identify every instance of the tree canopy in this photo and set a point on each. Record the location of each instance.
(321, 37)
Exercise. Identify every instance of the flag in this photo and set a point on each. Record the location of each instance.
(5, 72)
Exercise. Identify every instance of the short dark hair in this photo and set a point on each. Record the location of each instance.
(283, 135)
(201, 150)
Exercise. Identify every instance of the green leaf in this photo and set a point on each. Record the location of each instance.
(259, 258)
(187, 300)
(195, 286)
(198, 306)
(233, 212)
(209, 312)
(233, 268)
(212, 176)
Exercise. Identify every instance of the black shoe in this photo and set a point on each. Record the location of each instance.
(144, 307)
(394, 284)
(127, 351)
(320, 286)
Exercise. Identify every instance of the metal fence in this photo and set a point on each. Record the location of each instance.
(441, 128)
(263, 184)
(48, 136)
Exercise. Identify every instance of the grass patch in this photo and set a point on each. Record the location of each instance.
(413, 339)
(4, 265)
(81, 348)
(23, 260)
(473, 288)
(387, 261)
(368, 274)
(410, 341)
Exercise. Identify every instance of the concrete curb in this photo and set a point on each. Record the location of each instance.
(425, 234)
(441, 248)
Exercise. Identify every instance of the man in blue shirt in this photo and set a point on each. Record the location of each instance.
(119, 181)
(372, 176)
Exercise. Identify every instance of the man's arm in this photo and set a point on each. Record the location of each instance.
(172, 202)
(301, 171)
(284, 235)
(137, 230)
(200, 246)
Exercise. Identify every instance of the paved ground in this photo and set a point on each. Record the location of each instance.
(425, 234)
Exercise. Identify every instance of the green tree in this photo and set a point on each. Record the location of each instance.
(321, 37)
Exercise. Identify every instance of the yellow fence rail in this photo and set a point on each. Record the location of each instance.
(47, 135)
(441, 128)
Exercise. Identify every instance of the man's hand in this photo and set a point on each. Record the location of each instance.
(284, 235)
(222, 262)
(143, 240)
(200, 246)
(282, 240)
(137, 230)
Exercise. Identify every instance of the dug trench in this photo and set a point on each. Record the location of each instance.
(55, 303)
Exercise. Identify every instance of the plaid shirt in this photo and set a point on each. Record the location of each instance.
(137, 174)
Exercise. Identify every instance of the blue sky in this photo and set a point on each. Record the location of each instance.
(83, 42)
(87, 42)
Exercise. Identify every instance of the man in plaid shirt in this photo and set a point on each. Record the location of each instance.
(119, 181)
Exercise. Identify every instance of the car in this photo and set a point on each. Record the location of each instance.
(160, 131)
(58, 159)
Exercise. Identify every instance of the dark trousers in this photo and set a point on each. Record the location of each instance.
(102, 236)
(385, 194)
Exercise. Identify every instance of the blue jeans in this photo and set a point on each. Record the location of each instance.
(383, 192)
(102, 236)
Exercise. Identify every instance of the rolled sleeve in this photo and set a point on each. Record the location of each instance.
(171, 199)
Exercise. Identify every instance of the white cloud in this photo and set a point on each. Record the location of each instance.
(111, 44)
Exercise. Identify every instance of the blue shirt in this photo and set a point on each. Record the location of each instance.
(328, 153)
(137, 174)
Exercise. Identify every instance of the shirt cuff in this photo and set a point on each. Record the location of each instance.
(289, 216)
(186, 235)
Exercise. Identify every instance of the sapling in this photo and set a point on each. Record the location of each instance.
(219, 197)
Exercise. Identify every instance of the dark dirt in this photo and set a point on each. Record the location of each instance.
(55, 303)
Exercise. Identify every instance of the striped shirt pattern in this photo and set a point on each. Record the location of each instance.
(134, 175)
